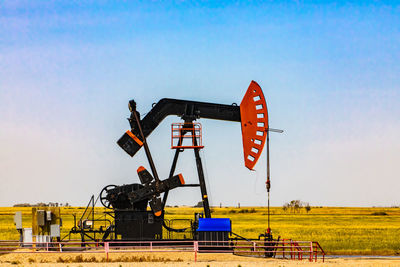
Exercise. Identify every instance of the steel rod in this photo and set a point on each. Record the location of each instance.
(146, 148)
(268, 180)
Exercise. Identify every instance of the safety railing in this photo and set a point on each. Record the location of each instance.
(286, 249)
(191, 132)
(184, 229)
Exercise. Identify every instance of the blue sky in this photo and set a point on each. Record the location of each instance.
(329, 71)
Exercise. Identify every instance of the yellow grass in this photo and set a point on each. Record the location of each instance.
(338, 230)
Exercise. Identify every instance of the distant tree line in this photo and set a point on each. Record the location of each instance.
(295, 206)
(42, 204)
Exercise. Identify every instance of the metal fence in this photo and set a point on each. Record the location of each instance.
(283, 249)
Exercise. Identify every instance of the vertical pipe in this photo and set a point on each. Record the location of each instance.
(268, 173)
(268, 182)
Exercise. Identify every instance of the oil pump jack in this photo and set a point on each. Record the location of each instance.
(132, 219)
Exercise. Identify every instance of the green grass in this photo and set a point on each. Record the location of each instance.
(365, 231)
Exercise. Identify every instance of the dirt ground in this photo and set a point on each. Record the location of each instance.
(167, 259)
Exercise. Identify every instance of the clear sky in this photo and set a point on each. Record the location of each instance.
(329, 70)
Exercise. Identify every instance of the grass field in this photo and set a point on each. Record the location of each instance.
(357, 231)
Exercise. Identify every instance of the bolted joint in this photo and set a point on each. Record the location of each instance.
(132, 105)
(268, 184)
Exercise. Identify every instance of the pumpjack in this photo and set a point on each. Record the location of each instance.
(133, 220)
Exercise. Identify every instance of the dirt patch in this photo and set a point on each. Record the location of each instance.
(168, 259)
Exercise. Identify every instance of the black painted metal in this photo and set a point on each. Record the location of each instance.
(203, 189)
(200, 172)
(137, 225)
(171, 173)
(146, 147)
(154, 189)
(199, 165)
(187, 110)
(119, 198)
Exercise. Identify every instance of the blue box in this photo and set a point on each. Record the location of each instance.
(214, 225)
